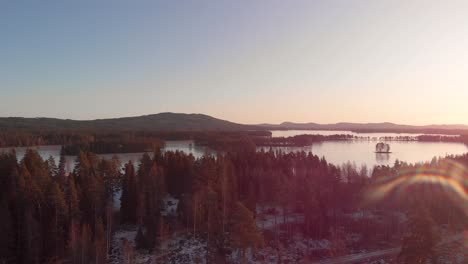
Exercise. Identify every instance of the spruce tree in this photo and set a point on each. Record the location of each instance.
(419, 243)
(244, 232)
(128, 200)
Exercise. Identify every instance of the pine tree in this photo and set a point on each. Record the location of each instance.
(53, 170)
(86, 245)
(74, 242)
(58, 213)
(244, 233)
(110, 169)
(7, 237)
(128, 200)
(73, 199)
(100, 254)
(31, 252)
(419, 243)
(61, 173)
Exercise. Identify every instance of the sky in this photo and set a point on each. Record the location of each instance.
(261, 61)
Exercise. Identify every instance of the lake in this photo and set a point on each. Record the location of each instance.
(362, 151)
(336, 152)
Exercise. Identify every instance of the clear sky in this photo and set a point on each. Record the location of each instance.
(247, 61)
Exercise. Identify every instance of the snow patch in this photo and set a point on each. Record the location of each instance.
(170, 205)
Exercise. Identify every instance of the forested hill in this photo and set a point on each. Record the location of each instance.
(199, 122)
(158, 122)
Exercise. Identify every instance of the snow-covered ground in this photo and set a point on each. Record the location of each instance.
(269, 216)
(268, 221)
(187, 249)
(126, 233)
(295, 251)
(176, 249)
(184, 249)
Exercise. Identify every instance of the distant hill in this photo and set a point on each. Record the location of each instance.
(200, 122)
(155, 122)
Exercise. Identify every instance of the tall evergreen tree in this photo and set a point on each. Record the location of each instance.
(58, 219)
(244, 233)
(73, 199)
(7, 237)
(128, 200)
(421, 239)
(53, 169)
(61, 170)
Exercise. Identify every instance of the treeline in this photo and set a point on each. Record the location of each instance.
(101, 142)
(51, 217)
(306, 140)
(427, 131)
(113, 144)
(299, 140)
(425, 138)
(36, 138)
(97, 142)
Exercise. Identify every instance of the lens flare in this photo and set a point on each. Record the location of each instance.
(447, 177)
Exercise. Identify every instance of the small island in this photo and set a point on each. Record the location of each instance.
(382, 147)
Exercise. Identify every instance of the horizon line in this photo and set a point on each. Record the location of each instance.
(256, 124)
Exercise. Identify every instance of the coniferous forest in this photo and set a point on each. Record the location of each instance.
(50, 215)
